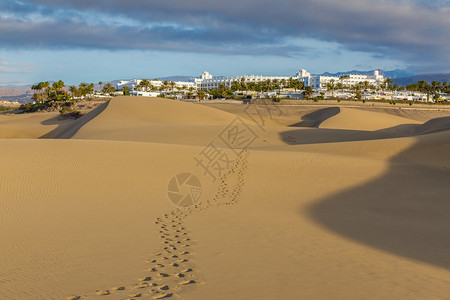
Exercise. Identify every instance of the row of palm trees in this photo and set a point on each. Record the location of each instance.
(57, 91)
(146, 85)
(435, 88)
(266, 85)
(44, 92)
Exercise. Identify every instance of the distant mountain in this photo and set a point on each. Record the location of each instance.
(391, 74)
(426, 77)
(21, 94)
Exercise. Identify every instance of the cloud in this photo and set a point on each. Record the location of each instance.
(414, 31)
(8, 67)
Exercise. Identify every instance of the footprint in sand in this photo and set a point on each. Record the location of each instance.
(145, 278)
(142, 285)
(137, 295)
(187, 282)
(103, 293)
(174, 235)
(164, 287)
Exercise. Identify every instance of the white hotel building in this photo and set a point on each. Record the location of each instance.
(208, 82)
(317, 82)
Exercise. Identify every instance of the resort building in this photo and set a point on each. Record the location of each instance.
(208, 82)
(317, 82)
(320, 82)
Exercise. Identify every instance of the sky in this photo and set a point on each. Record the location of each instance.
(102, 40)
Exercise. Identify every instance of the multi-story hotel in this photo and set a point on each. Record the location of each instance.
(208, 82)
(317, 82)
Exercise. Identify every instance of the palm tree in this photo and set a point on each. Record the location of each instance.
(283, 83)
(36, 88)
(424, 87)
(436, 89)
(341, 81)
(387, 82)
(144, 84)
(83, 89)
(201, 94)
(243, 84)
(45, 85)
(125, 90)
(307, 92)
(366, 85)
(331, 87)
(74, 90)
(58, 86)
(101, 85)
(275, 83)
(172, 85)
(164, 86)
(109, 88)
(90, 88)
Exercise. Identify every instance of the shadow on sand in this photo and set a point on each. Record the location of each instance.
(406, 211)
(68, 130)
(315, 118)
(325, 135)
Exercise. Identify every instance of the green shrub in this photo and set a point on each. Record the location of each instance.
(32, 107)
(69, 112)
(5, 108)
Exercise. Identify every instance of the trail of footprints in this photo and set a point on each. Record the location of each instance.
(171, 269)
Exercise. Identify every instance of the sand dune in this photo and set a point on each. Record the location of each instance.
(157, 120)
(354, 209)
(354, 119)
(46, 124)
(27, 126)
